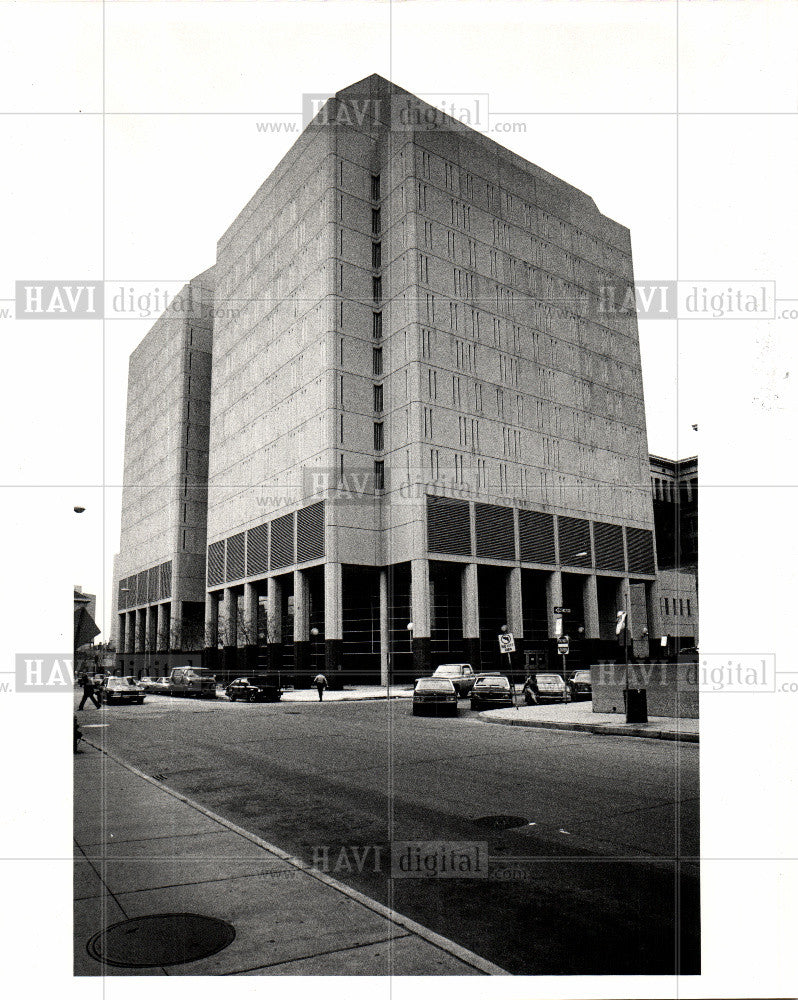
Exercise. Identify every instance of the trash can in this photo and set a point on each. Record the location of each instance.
(636, 705)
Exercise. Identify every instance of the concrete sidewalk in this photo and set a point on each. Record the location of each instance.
(143, 849)
(580, 717)
(362, 693)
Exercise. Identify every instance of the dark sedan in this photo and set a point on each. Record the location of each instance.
(492, 692)
(434, 694)
(580, 685)
(254, 689)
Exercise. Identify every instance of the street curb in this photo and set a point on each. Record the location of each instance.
(601, 728)
(438, 940)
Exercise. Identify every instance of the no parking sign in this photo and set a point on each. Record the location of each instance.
(506, 642)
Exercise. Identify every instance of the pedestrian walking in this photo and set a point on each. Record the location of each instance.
(88, 691)
(321, 683)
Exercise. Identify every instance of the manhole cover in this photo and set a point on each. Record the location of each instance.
(501, 822)
(161, 939)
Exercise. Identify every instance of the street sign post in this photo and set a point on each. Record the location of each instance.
(507, 646)
(563, 646)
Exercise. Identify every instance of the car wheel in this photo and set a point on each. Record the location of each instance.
(251, 697)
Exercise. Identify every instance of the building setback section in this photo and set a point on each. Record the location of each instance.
(160, 568)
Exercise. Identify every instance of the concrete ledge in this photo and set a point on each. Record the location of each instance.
(599, 728)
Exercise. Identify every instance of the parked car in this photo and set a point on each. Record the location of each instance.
(580, 685)
(436, 694)
(492, 692)
(460, 674)
(545, 687)
(259, 688)
(121, 691)
(192, 681)
(156, 685)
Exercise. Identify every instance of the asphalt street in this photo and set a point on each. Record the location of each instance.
(602, 877)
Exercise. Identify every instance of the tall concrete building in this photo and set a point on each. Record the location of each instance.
(423, 426)
(160, 568)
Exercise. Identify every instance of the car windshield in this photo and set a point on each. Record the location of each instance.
(448, 670)
(581, 676)
(492, 682)
(117, 683)
(431, 684)
(131, 681)
(549, 679)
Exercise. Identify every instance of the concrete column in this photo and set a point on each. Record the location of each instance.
(470, 593)
(228, 618)
(590, 602)
(333, 601)
(385, 637)
(274, 623)
(175, 624)
(553, 597)
(249, 615)
(419, 598)
(420, 615)
(301, 606)
(162, 635)
(515, 610)
(274, 610)
(211, 621)
(301, 622)
(653, 615)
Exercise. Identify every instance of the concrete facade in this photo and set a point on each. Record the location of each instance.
(422, 426)
(160, 568)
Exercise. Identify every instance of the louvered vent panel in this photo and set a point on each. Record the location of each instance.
(448, 526)
(310, 532)
(153, 584)
(235, 557)
(640, 550)
(123, 598)
(495, 531)
(609, 546)
(258, 550)
(574, 539)
(536, 536)
(215, 563)
(165, 580)
(141, 587)
(282, 541)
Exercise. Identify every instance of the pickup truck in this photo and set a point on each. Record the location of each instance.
(192, 681)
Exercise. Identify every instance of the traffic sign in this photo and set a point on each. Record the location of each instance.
(506, 642)
(561, 611)
(563, 645)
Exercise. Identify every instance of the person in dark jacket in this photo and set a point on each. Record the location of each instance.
(88, 691)
(321, 683)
